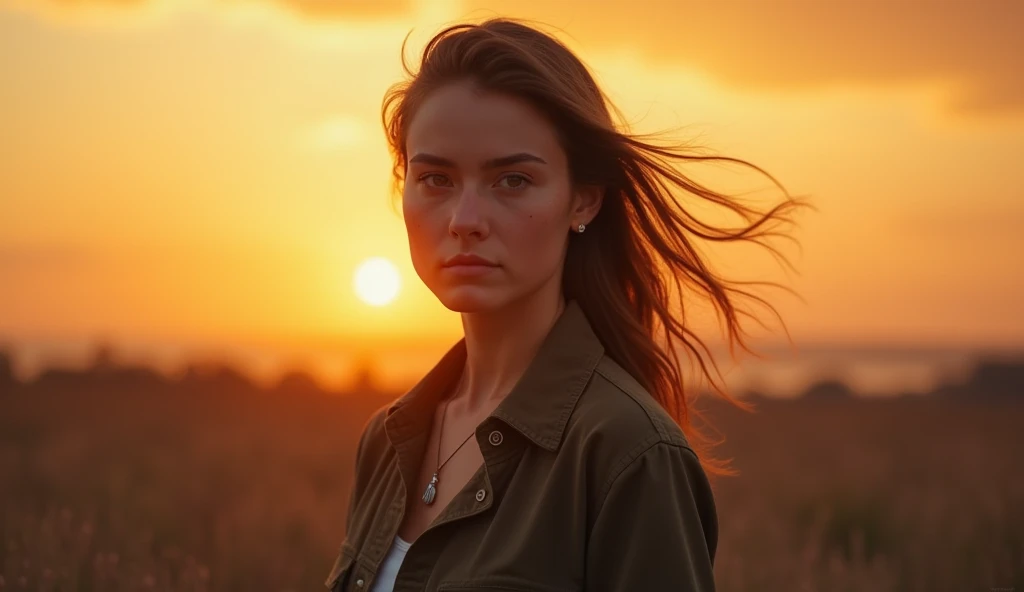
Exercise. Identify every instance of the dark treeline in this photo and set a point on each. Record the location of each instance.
(992, 378)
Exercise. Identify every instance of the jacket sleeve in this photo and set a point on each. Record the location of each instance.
(657, 528)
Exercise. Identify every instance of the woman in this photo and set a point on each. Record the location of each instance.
(546, 450)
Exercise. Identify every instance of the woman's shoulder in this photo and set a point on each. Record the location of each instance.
(618, 415)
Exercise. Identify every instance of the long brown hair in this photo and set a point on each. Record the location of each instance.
(633, 268)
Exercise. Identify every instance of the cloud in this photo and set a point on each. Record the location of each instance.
(973, 47)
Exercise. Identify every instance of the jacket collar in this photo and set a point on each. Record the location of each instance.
(538, 406)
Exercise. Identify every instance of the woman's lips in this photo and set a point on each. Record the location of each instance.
(468, 259)
(465, 264)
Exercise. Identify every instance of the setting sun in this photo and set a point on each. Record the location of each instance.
(376, 281)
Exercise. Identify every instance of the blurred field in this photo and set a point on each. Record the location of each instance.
(120, 480)
(911, 494)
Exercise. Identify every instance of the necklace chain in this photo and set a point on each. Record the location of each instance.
(440, 433)
(430, 493)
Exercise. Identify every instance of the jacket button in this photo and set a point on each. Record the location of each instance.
(359, 582)
(480, 495)
(495, 438)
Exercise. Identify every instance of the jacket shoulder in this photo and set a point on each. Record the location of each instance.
(617, 408)
(616, 421)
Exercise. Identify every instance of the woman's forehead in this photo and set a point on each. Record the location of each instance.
(466, 126)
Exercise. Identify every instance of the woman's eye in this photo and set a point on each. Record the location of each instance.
(434, 180)
(515, 182)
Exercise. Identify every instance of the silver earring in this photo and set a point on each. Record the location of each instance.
(581, 228)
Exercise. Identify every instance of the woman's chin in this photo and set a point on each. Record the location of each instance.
(470, 299)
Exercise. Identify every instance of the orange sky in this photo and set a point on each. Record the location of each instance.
(187, 171)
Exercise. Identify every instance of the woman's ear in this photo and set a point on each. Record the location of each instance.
(586, 204)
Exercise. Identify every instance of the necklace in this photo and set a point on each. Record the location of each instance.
(431, 491)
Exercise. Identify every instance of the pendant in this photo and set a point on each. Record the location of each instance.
(428, 495)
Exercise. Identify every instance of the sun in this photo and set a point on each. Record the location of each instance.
(376, 281)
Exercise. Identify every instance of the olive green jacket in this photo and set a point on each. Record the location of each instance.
(587, 484)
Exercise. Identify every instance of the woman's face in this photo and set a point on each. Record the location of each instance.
(487, 178)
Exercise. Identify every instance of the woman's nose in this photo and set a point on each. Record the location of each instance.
(468, 215)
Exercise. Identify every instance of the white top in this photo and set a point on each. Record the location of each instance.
(385, 580)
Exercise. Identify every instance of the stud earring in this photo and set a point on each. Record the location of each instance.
(581, 228)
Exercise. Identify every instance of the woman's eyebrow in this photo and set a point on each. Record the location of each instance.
(511, 159)
(493, 163)
(431, 159)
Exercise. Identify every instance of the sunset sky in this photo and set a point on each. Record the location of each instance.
(188, 172)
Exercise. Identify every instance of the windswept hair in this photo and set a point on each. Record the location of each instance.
(636, 267)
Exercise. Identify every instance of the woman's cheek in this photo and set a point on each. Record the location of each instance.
(538, 240)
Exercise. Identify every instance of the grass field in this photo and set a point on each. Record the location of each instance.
(209, 485)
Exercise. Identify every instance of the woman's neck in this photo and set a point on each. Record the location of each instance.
(500, 346)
